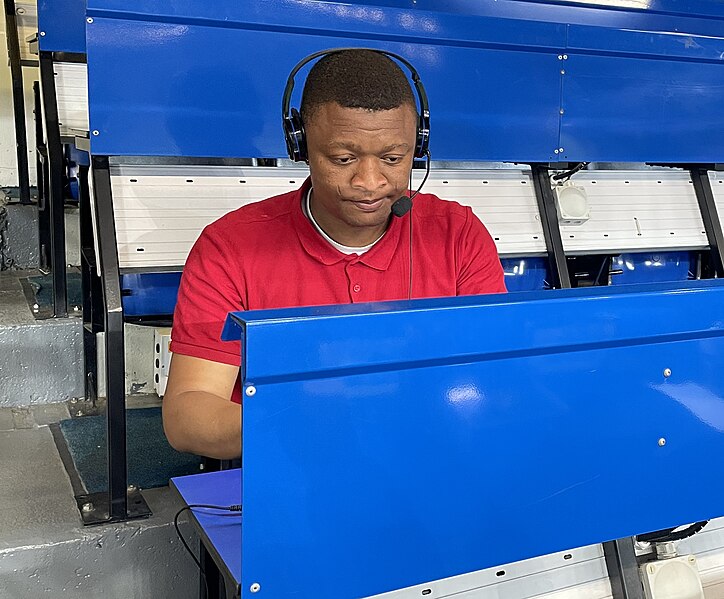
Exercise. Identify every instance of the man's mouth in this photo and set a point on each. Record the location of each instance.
(368, 205)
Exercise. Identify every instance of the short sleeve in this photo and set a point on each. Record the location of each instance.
(206, 295)
(479, 268)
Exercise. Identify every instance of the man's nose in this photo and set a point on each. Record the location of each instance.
(368, 176)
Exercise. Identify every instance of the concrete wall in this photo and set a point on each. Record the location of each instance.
(22, 247)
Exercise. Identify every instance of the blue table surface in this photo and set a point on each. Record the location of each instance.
(223, 529)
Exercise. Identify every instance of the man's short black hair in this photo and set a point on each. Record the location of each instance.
(356, 79)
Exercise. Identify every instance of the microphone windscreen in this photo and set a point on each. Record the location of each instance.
(401, 206)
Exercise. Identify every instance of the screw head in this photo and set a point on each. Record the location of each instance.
(20, 11)
(565, 57)
(555, 151)
(667, 372)
(89, 20)
(87, 507)
(560, 150)
(131, 488)
(255, 587)
(96, 132)
(563, 72)
(250, 391)
(561, 111)
(560, 57)
(42, 34)
(662, 442)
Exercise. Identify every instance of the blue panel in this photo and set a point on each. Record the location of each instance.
(161, 82)
(62, 25)
(386, 445)
(651, 268)
(169, 94)
(150, 294)
(525, 274)
(634, 110)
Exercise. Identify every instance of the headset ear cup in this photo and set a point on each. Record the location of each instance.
(422, 143)
(294, 136)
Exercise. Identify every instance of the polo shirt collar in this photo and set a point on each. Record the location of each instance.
(379, 256)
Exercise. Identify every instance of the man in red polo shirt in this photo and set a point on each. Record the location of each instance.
(333, 241)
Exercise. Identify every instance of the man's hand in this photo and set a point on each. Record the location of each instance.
(198, 414)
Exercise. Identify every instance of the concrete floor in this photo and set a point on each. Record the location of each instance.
(45, 551)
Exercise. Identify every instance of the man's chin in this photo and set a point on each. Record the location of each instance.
(375, 218)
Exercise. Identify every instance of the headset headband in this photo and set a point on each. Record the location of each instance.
(294, 128)
(287, 97)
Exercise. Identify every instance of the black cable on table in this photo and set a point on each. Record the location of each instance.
(221, 508)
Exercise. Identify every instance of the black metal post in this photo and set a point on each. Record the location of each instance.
(623, 570)
(41, 166)
(114, 342)
(92, 300)
(557, 264)
(16, 75)
(121, 502)
(54, 190)
(710, 216)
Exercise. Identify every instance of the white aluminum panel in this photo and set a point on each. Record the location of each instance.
(717, 187)
(71, 87)
(564, 575)
(503, 199)
(26, 17)
(636, 211)
(161, 211)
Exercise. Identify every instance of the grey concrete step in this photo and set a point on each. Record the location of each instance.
(45, 551)
(40, 361)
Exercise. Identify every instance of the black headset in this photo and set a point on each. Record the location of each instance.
(294, 126)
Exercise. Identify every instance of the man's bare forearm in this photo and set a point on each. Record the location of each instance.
(204, 424)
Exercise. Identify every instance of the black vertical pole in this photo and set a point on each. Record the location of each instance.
(623, 573)
(557, 265)
(41, 165)
(16, 75)
(710, 216)
(114, 343)
(54, 189)
(91, 290)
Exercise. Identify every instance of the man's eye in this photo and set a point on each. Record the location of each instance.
(392, 159)
(343, 159)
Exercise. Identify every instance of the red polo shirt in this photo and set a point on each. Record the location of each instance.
(269, 255)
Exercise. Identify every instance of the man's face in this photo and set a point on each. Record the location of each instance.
(360, 163)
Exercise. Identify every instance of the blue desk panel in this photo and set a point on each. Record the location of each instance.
(222, 529)
(391, 444)
(63, 25)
